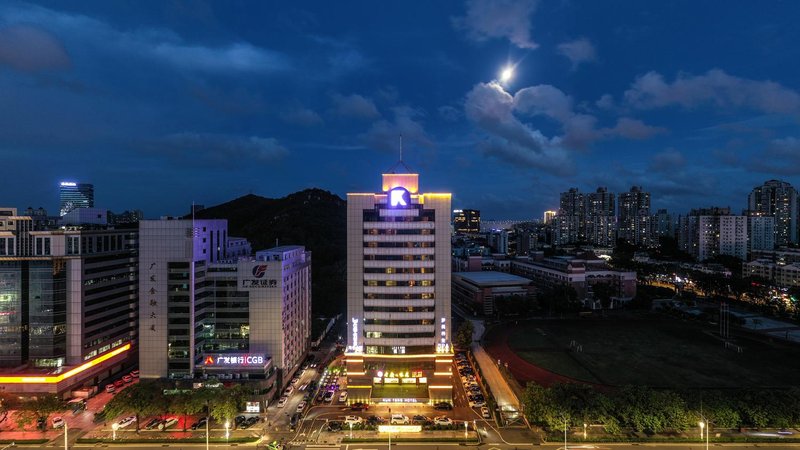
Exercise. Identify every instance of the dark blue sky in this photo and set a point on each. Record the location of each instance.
(161, 103)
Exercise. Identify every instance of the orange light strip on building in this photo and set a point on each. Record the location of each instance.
(68, 374)
(356, 373)
(440, 387)
(442, 373)
(376, 356)
(352, 386)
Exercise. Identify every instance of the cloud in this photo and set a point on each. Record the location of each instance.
(217, 150)
(781, 156)
(578, 51)
(635, 129)
(715, 88)
(385, 134)
(299, 115)
(496, 111)
(490, 19)
(31, 49)
(606, 101)
(669, 160)
(354, 106)
(449, 113)
(158, 44)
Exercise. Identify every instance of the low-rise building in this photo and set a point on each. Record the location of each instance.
(478, 291)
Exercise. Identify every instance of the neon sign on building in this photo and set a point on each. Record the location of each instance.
(399, 197)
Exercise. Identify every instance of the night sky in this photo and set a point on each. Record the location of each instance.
(161, 103)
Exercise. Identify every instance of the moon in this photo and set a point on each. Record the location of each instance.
(506, 74)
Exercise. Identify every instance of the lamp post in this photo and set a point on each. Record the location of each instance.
(351, 430)
(584, 431)
(565, 434)
(702, 425)
(466, 431)
(227, 431)
(707, 425)
(114, 427)
(66, 440)
(208, 419)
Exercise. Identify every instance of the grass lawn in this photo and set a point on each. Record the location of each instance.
(652, 351)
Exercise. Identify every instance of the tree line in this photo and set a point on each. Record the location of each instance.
(649, 410)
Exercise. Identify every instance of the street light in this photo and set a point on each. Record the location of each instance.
(708, 431)
(227, 431)
(114, 427)
(351, 430)
(565, 433)
(208, 419)
(466, 430)
(65, 435)
(584, 431)
(702, 425)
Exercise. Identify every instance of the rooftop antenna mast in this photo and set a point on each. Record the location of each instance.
(401, 147)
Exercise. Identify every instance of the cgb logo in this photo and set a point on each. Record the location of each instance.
(260, 270)
(209, 361)
(399, 197)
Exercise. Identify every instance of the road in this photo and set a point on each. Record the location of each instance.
(503, 394)
(437, 445)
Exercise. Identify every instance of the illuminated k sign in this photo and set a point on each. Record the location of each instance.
(399, 197)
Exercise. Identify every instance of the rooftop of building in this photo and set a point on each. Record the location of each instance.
(490, 277)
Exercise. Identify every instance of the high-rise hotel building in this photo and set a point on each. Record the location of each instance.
(398, 293)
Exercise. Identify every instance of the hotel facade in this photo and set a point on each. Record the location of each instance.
(398, 294)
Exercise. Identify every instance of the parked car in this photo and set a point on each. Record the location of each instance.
(399, 419)
(359, 406)
(328, 396)
(334, 426)
(152, 423)
(58, 422)
(485, 412)
(442, 420)
(126, 421)
(119, 383)
(443, 406)
(127, 378)
(282, 401)
(201, 423)
(294, 420)
(110, 388)
(135, 373)
(477, 404)
(252, 420)
(239, 420)
(375, 420)
(288, 391)
(343, 397)
(167, 423)
(301, 406)
(352, 419)
(418, 419)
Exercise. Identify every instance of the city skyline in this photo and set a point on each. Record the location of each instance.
(207, 103)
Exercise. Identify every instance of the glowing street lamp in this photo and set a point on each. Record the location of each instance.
(584, 431)
(351, 430)
(114, 427)
(702, 425)
(227, 431)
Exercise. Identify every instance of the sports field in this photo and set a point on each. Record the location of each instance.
(650, 351)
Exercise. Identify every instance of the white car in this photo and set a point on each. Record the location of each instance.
(343, 397)
(127, 421)
(167, 423)
(301, 406)
(282, 401)
(399, 419)
(442, 420)
(353, 419)
(485, 412)
(58, 422)
(288, 391)
(476, 404)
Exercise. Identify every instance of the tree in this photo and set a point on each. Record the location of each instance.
(142, 399)
(604, 292)
(38, 408)
(463, 338)
(185, 404)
